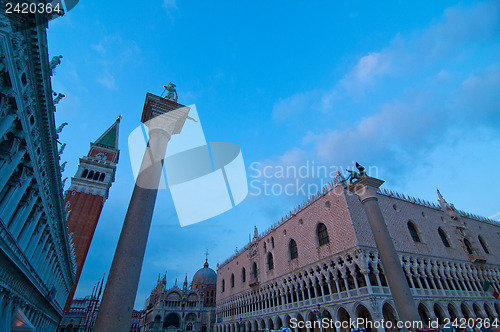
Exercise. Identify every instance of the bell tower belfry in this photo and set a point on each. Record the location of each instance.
(87, 193)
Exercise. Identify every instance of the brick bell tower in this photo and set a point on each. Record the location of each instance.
(86, 195)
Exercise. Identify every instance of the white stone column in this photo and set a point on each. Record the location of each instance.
(21, 217)
(121, 288)
(7, 170)
(35, 239)
(27, 231)
(366, 189)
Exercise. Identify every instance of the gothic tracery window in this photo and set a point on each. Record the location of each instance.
(322, 234)
(270, 262)
(468, 246)
(243, 275)
(442, 234)
(483, 244)
(292, 247)
(413, 232)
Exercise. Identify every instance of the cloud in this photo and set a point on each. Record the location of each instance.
(394, 105)
(108, 81)
(170, 7)
(455, 38)
(113, 54)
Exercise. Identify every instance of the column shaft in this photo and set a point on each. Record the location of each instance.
(119, 294)
(396, 279)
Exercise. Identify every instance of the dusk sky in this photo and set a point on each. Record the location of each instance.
(409, 89)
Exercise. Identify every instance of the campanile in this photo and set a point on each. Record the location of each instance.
(87, 193)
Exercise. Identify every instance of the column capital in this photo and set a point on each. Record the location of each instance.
(365, 188)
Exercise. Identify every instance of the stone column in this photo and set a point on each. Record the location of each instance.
(366, 189)
(163, 118)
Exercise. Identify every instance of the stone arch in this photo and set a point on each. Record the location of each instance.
(262, 324)
(172, 320)
(489, 311)
(452, 311)
(277, 323)
(343, 316)
(477, 310)
(464, 308)
(286, 321)
(311, 317)
(389, 313)
(270, 324)
(439, 313)
(424, 313)
(254, 325)
(174, 296)
(362, 312)
(300, 318)
(326, 314)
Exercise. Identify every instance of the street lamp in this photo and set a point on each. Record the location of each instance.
(317, 313)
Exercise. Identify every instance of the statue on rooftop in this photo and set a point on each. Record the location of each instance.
(54, 63)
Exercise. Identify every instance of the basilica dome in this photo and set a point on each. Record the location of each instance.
(205, 276)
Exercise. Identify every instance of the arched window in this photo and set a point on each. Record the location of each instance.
(232, 280)
(292, 247)
(96, 175)
(223, 285)
(442, 234)
(243, 275)
(101, 178)
(413, 232)
(483, 244)
(264, 247)
(322, 234)
(85, 172)
(91, 175)
(468, 246)
(272, 242)
(270, 263)
(254, 270)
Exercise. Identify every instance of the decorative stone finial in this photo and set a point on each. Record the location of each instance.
(60, 128)
(54, 63)
(58, 98)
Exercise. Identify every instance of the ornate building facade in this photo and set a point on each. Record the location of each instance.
(36, 261)
(80, 316)
(322, 259)
(86, 196)
(187, 309)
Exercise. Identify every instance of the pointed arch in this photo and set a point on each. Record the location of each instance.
(443, 237)
(413, 231)
(322, 234)
(292, 249)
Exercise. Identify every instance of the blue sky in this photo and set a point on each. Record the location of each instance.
(409, 88)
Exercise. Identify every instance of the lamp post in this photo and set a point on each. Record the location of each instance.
(317, 312)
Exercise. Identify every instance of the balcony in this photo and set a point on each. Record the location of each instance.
(477, 259)
(253, 282)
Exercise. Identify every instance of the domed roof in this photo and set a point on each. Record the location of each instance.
(204, 276)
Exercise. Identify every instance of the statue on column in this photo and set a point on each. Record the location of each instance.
(353, 175)
(172, 92)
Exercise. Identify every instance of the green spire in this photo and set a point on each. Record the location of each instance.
(110, 136)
